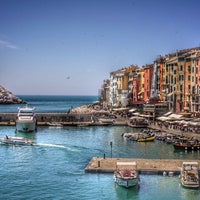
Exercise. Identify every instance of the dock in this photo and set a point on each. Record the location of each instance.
(144, 166)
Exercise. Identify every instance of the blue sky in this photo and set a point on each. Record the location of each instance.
(42, 42)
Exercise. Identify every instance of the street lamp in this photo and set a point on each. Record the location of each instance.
(111, 149)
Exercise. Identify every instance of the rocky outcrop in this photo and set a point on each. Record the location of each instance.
(7, 97)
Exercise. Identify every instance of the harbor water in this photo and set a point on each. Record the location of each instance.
(54, 167)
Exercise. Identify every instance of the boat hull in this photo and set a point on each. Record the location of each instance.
(186, 147)
(16, 141)
(148, 139)
(189, 185)
(131, 182)
(26, 126)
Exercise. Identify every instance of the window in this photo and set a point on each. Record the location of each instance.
(181, 68)
(192, 69)
(166, 79)
(171, 79)
(181, 88)
(189, 78)
(193, 89)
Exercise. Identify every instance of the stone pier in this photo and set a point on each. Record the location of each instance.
(144, 166)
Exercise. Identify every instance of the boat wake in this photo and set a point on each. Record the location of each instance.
(57, 146)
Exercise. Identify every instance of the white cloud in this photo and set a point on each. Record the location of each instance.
(5, 44)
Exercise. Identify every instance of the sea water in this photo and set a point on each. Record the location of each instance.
(51, 103)
(54, 167)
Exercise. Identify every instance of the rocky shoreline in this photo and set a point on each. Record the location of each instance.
(7, 97)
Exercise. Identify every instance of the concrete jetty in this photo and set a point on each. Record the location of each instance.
(145, 166)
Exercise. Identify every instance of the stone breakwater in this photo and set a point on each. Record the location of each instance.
(83, 115)
(7, 97)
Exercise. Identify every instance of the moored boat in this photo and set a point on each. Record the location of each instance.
(137, 122)
(179, 145)
(106, 121)
(15, 141)
(57, 125)
(190, 175)
(126, 174)
(148, 138)
(26, 120)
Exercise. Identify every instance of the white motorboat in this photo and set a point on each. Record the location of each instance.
(190, 175)
(138, 122)
(106, 121)
(56, 125)
(126, 174)
(26, 120)
(15, 141)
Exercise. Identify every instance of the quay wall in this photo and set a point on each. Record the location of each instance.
(63, 118)
(50, 117)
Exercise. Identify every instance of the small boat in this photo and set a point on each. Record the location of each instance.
(138, 122)
(126, 174)
(147, 138)
(106, 121)
(187, 146)
(189, 175)
(56, 125)
(26, 120)
(15, 141)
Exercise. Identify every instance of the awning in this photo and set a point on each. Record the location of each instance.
(120, 109)
(136, 117)
(167, 114)
(141, 92)
(176, 116)
(170, 94)
(163, 118)
(132, 110)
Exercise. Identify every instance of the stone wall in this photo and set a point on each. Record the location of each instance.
(49, 117)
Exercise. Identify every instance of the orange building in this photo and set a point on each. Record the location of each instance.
(148, 72)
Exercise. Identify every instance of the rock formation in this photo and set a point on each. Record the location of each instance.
(7, 97)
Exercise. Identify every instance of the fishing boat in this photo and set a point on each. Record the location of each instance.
(26, 119)
(187, 146)
(147, 138)
(15, 141)
(190, 175)
(126, 174)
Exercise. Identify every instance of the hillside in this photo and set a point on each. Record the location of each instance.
(7, 97)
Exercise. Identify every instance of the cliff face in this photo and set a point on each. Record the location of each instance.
(7, 97)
